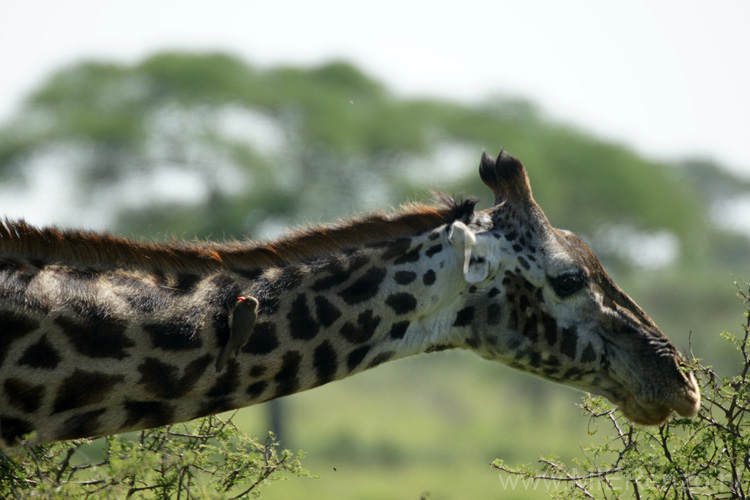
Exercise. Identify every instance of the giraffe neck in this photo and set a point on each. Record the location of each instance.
(332, 318)
(89, 351)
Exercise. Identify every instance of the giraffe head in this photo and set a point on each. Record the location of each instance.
(544, 304)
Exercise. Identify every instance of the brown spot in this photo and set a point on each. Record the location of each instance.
(523, 303)
(81, 425)
(433, 250)
(40, 355)
(162, 380)
(364, 288)
(228, 382)
(214, 406)
(549, 325)
(25, 397)
(401, 303)
(569, 342)
(363, 330)
(178, 334)
(13, 326)
(290, 278)
(91, 310)
(338, 273)
(326, 312)
(220, 324)
(411, 256)
(287, 381)
(185, 283)
(398, 330)
(464, 317)
(404, 277)
(257, 388)
(493, 313)
(588, 354)
(302, 325)
(530, 328)
(356, 357)
(268, 297)
(147, 414)
(535, 359)
(513, 320)
(83, 388)
(263, 340)
(99, 338)
(12, 429)
(325, 362)
(380, 359)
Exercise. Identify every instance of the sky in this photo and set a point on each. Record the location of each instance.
(669, 78)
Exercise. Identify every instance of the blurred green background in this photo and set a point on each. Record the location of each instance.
(207, 145)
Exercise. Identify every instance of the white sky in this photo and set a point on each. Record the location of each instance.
(671, 78)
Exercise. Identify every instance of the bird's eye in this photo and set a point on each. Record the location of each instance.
(568, 284)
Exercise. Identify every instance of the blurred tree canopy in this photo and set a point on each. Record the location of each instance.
(207, 145)
(250, 150)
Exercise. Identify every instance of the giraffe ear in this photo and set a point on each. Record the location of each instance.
(472, 252)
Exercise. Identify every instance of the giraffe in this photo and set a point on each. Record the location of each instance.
(101, 334)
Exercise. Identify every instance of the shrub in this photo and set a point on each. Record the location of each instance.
(209, 458)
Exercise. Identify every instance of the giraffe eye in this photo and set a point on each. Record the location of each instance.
(568, 284)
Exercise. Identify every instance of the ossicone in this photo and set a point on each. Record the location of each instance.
(506, 177)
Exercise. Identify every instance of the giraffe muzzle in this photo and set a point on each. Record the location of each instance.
(684, 399)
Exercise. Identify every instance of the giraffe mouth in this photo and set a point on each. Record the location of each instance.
(657, 410)
(657, 414)
(652, 414)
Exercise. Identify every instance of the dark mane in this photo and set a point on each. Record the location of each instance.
(86, 248)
